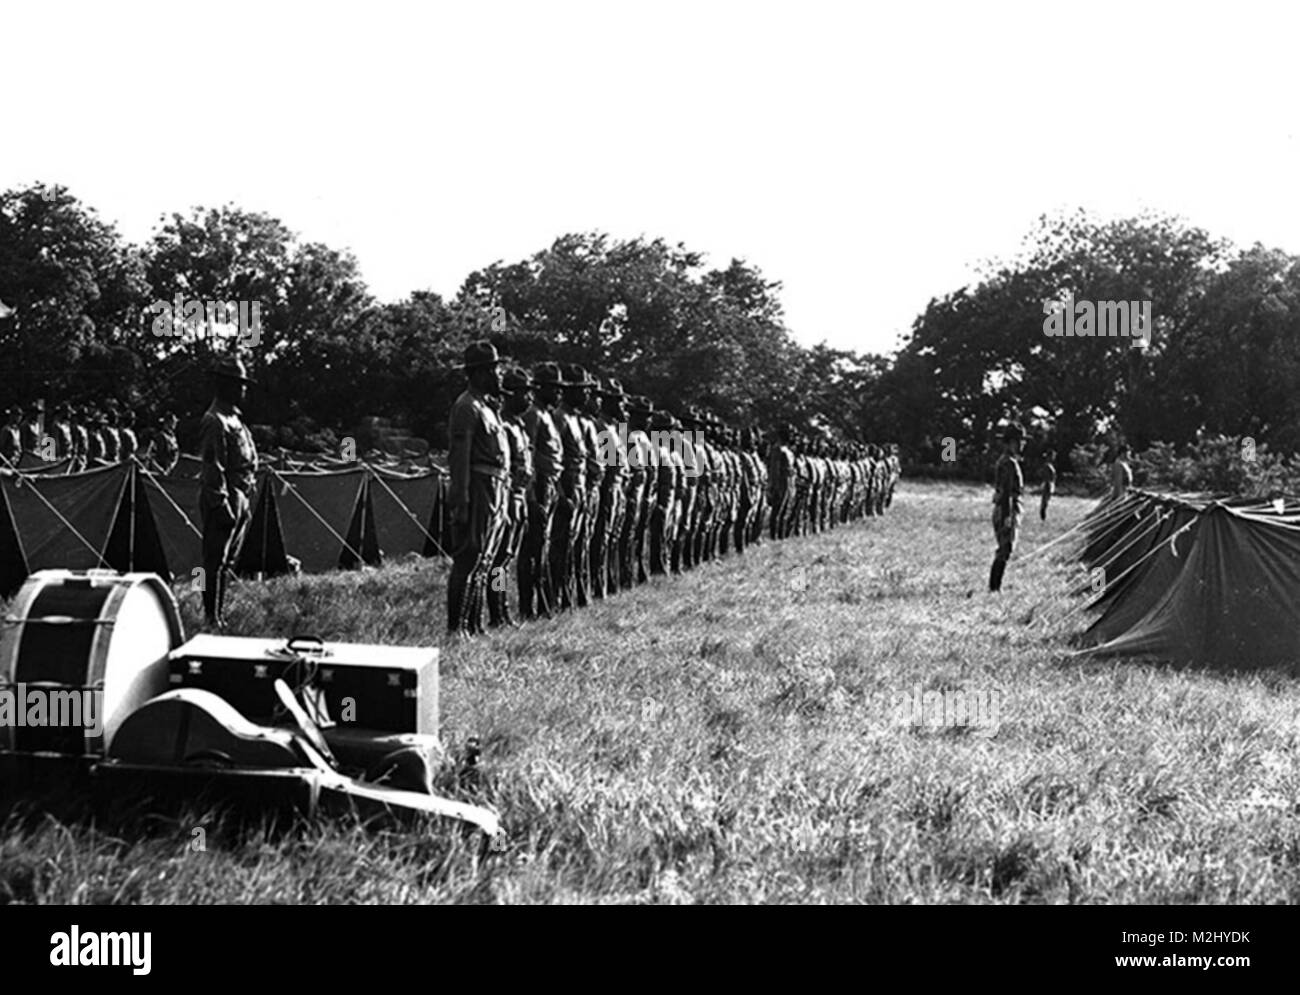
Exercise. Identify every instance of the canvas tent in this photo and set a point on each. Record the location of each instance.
(127, 518)
(1199, 581)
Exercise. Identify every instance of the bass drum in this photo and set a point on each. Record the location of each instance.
(94, 631)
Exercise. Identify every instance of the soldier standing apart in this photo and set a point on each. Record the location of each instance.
(1048, 479)
(518, 390)
(535, 594)
(1121, 477)
(225, 483)
(480, 471)
(1008, 484)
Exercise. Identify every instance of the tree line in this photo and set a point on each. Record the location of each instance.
(1223, 357)
(86, 307)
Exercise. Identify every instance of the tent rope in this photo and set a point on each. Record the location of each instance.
(161, 490)
(1158, 546)
(25, 480)
(306, 504)
(409, 512)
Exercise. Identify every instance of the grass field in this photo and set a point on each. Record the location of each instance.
(717, 737)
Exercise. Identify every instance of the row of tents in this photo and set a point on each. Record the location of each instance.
(1195, 580)
(127, 518)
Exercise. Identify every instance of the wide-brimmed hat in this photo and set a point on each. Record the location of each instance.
(548, 374)
(612, 388)
(577, 376)
(516, 381)
(480, 354)
(231, 368)
(641, 403)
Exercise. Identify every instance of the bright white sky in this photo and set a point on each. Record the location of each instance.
(866, 155)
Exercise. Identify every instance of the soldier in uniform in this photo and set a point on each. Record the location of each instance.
(641, 480)
(130, 445)
(1047, 478)
(108, 433)
(226, 481)
(80, 439)
(780, 483)
(61, 432)
(480, 470)
(517, 388)
(11, 436)
(571, 507)
(31, 432)
(895, 472)
(96, 447)
(666, 498)
(1008, 484)
(535, 593)
(606, 541)
(1121, 476)
(163, 447)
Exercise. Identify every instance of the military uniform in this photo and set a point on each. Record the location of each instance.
(641, 480)
(521, 482)
(535, 593)
(11, 438)
(226, 480)
(164, 448)
(571, 506)
(606, 544)
(1047, 479)
(480, 481)
(1008, 485)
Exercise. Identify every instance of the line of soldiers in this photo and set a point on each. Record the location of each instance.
(87, 436)
(577, 490)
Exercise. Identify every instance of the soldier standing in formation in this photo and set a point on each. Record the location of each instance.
(592, 491)
(61, 432)
(163, 448)
(1008, 484)
(517, 388)
(535, 594)
(31, 433)
(229, 467)
(479, 459)
(571, 508)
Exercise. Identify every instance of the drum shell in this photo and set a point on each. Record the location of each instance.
(99, 634)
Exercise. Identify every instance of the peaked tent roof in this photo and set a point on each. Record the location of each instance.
(408, 511)
(1218, 584)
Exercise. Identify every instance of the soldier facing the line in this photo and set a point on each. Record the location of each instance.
(1008, 484)
(226, 478)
